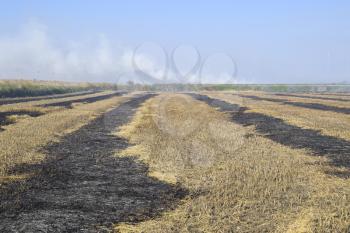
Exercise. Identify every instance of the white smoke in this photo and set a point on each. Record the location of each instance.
(32, 54)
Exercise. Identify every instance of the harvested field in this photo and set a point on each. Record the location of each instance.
(82, 187)
(174, 117)
(68, 103)
(337, 150)
(175, 162)
(21, 140)
(327, 123)
(35, 107)
(336, 94)
(313, 97)
(238, 179)
(28, 99)
(7, 118)
(316, 106)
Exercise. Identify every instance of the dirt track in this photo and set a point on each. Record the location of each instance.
(82, 187)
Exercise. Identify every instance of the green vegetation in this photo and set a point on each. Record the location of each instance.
(295, 88)
(25, 88)
(301, 88)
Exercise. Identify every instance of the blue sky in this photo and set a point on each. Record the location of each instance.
(270, 41)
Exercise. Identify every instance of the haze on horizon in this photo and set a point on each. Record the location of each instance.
(188, 42)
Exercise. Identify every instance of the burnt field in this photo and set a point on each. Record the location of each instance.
(87, 187)
(29, 107)
(336, 149)
(68, 103)
(175, 162)
(28, 99)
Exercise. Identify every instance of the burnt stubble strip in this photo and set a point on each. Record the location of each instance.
(315, 106)
(28, 99)
(4, 116)
(83, 187)
(312, 97)
(336, 149)
(68, 103)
